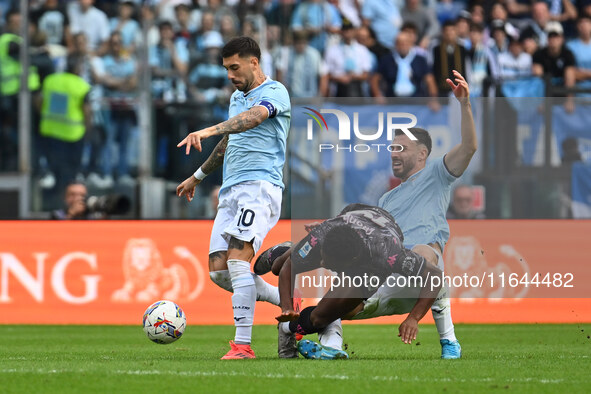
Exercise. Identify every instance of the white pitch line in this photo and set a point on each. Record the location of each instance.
(279, 376)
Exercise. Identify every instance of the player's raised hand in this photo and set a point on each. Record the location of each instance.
(187, 188)
(288, 315)
(460, 87)
(194, 140)
(408, 330)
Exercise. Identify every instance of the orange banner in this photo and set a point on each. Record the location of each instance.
(108, 272)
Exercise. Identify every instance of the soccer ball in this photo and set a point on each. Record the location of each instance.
(164, 322)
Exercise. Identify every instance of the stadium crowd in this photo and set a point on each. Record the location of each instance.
(332, 48)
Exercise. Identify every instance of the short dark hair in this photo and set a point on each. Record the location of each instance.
(410, 26)
(243, 46)
(341, 247)
(448, 23)
(422, 136)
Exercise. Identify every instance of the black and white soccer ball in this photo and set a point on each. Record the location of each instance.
(164, 322)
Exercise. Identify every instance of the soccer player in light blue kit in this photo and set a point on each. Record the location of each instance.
(420, 202)
(419, 205)
(252, 151)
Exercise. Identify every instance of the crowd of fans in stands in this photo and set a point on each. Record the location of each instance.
(338, 48)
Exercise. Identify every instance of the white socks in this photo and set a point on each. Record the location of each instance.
(442, 315)
(332, 335)
(265, 291)
(243, 299)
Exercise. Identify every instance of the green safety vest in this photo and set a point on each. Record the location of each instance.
(10, 69)
(62, 113)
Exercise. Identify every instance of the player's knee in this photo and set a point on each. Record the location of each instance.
(217, 261)
(222, 279)
(318, 321)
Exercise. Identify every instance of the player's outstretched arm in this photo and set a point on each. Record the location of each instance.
(215, 160)
(410, 326)
(236, 124)
(459, 156)
(285, 291)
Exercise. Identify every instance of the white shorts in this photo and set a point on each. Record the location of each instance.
(389, 301)
(246, 211)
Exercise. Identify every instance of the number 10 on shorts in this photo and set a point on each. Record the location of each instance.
(246, 217)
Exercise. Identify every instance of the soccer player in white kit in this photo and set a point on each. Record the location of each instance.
(252, 151)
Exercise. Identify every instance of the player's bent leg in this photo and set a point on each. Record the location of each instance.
(265, 261)
(441, 309)
(218, 270)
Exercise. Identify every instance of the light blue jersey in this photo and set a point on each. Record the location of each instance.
(259, 153)
(582, 52)
(419, 205)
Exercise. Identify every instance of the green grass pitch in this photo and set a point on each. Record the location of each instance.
(120, 359)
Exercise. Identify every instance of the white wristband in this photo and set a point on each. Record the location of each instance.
(199, 174)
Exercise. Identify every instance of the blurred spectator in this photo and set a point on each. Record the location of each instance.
(348, 64)
(536, 29)
(367, 37)
(65, 119)
(411, 29)
(448, 56)
(570, 151)
(87, 19)
(169, 61)
(301, 69)
(349, 9)
(448, 10)
(424, 18)
(555, 60)
(129, 28)
(562, 10)
(228, 28)
(207, 27)
(384, 18)
(164, 9)
(519, 9)
(219, 10)
(184, 26)
(317, 18)
(461, 206)
(52, 19)
(403, 74)
(500, 42)
(74, 204)
(148, 20)
(482, 66)
(208, 80)
(463, 29)
(581, 48)
(515, 63)
(40, 57)
(499, 13)
(120, 82)
(10, 71)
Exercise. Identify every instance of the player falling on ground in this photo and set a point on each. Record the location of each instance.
(420, 202)
(361, 242)
(252, 151)
(419, 205)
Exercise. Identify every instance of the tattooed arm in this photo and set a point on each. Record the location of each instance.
(216, 158)
(236, 124)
